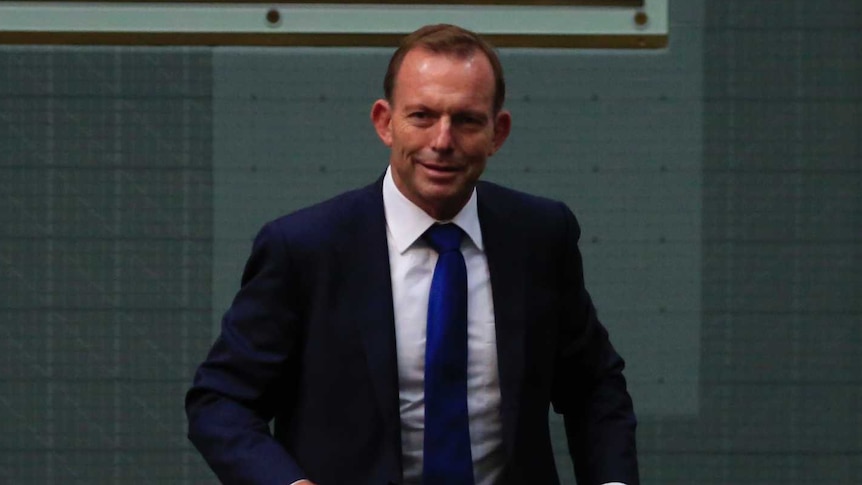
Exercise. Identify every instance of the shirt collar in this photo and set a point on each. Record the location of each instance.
(406, 222)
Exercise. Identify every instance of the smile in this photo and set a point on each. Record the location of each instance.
(436, 167)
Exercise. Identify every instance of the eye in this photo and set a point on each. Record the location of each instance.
(468, 120)
(421, 118)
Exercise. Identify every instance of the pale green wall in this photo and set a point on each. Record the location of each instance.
(718, 182)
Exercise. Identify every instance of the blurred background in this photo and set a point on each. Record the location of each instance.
(718, 183)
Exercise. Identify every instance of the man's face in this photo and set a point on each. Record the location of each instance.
(441, 128)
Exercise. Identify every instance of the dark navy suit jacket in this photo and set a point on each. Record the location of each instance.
(309, 341)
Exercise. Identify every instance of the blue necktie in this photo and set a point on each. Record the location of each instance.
(447, 458)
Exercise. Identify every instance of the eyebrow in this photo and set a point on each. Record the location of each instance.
(468, 112)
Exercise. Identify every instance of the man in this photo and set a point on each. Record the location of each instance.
(327, 335)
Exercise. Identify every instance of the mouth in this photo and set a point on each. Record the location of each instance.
(440, 167)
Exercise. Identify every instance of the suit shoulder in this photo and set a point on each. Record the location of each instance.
(330, 220)
(515, 202)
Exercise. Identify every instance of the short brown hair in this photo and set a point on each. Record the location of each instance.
(446, 39)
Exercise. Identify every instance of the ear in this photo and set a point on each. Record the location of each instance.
(502, 127)
(381, 117)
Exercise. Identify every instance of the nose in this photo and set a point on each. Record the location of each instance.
(442, 141)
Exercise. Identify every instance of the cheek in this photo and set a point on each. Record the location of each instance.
(410, 140)
(478, 147)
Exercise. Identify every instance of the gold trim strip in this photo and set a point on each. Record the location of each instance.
(319, 40)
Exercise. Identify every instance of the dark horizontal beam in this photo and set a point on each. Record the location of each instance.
(623, 41)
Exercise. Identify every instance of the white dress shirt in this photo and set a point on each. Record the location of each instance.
(412, 264)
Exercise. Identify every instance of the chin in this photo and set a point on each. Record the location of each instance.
(441, 194)
(444, 202)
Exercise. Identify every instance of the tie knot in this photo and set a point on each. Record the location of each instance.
(444, 237)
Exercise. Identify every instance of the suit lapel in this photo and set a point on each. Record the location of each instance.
(503, 248)
(369, 297)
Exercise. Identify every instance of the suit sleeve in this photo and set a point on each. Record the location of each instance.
(234, 393)
(589, 389)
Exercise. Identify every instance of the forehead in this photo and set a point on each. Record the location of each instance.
(424, 72)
